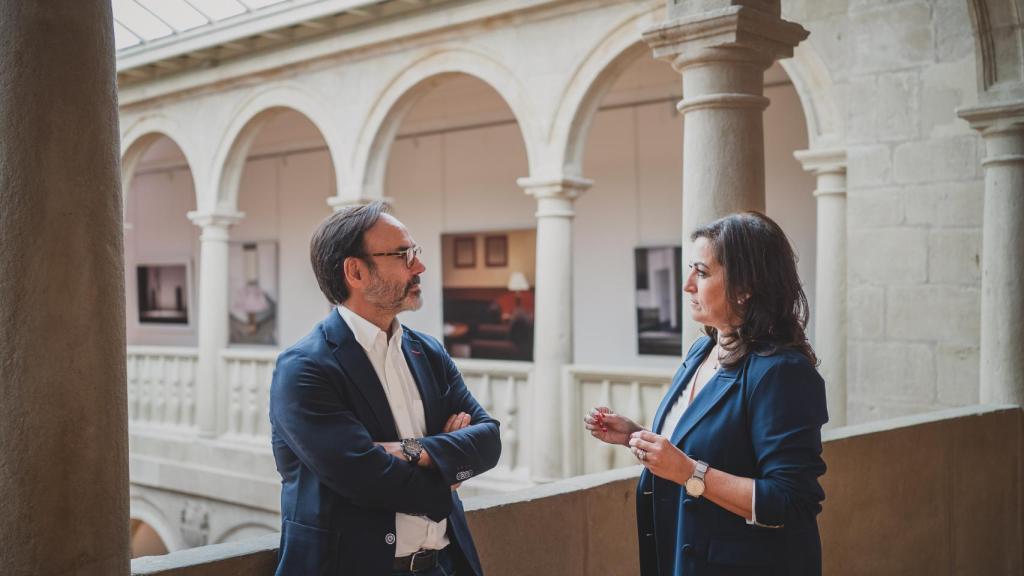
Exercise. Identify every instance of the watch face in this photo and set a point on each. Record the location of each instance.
(694, 487)
(412, 447)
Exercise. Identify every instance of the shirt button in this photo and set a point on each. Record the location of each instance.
(688, 549)
(390, 539)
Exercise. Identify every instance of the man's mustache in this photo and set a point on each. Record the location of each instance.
(412, 283)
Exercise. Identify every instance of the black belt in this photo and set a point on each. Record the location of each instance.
(418, 562)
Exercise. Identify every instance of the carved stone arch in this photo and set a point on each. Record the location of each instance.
(244, 530)
(140, 135)
(229, 159)
(999, 43)
(814, 86)
(591, 80)
(142, 509)
(399, 96)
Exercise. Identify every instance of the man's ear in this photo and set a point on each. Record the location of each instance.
(353, 270)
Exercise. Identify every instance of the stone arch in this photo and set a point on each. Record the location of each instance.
(144, 510)
(137, 139)
(590, 82)
(816, 90)
(229, 159)
(999, 42)
(623, 45)
(243, 531)
(400, 95)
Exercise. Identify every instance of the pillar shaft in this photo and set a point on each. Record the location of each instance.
(830, 313)
(213, 317)
(553, 319)
(1002, 255)
(63, 413)
(722, 55)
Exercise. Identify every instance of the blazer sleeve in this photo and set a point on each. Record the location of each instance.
(787, 410)
(326, 436)
(473, 450)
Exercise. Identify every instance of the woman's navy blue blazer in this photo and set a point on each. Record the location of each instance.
(761, 419)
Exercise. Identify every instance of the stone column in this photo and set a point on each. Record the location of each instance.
(63, 406)
(213, 315)
(552, 328)
(1002, 255)
(830, 309)
(722, 50)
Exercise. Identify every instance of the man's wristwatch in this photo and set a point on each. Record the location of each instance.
(695, 484)
(412, 449)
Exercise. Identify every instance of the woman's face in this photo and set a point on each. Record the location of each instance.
(706, 286)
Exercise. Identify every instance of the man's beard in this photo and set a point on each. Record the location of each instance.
(393, 297)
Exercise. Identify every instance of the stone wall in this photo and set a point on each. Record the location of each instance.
(914, 197)
(927, 494)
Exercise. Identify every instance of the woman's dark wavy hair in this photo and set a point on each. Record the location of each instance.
(760, 272)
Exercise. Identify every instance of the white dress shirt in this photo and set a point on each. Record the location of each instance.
(412, 533)
(675, 414)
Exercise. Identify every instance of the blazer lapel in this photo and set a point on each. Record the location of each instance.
(682, 376)
(416, 358)
(357, 366)
(706, 399)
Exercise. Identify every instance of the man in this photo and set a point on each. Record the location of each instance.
(373, 428)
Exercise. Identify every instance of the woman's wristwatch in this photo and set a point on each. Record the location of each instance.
(695, 484)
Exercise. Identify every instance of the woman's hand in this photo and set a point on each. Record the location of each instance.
(661, 457)
(608, 426)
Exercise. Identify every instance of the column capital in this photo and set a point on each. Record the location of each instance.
(564, 187)
(748, 35)
(338, 203)
(215, 219)
(995, 118)
(822, 160)
(829, 165)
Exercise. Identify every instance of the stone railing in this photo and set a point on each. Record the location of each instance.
(503, 390)
(898, 501)
(246, 375)
(633, 392)
(162, 387)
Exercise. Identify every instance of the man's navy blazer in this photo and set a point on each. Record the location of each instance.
(340, 492)
(761, 419)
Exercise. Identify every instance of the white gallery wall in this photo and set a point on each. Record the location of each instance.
(453, 169)
(157, 231)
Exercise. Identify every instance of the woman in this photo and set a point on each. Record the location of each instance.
(733, 458)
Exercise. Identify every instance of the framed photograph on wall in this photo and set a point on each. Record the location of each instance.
(496, 251)
(465, 252)
(659, 300)
(163, 293)
(252, 292)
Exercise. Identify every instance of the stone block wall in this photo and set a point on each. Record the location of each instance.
(914, 198)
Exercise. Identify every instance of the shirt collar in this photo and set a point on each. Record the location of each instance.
(367, 332)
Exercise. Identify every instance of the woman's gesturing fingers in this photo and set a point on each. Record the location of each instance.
(657, 453)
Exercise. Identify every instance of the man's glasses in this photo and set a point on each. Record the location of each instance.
(410, 254)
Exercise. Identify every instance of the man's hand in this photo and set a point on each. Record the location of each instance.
(456, 422)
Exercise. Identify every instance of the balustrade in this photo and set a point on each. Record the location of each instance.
(632, 392)
(162, 386)
(246, 390)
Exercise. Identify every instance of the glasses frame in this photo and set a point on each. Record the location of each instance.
(411, 254)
